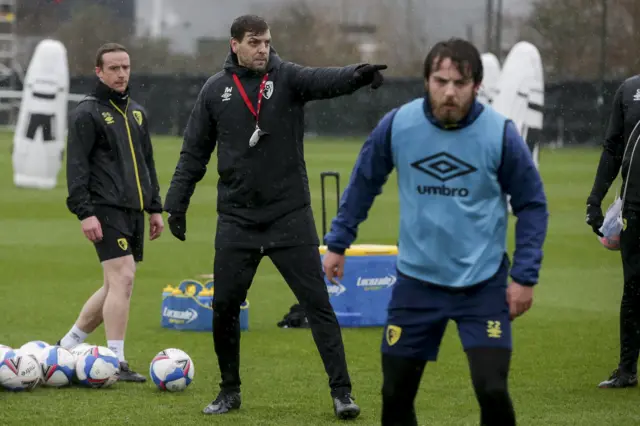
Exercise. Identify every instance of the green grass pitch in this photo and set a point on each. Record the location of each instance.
(564, 346)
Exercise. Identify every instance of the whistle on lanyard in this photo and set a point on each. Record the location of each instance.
(255, 137)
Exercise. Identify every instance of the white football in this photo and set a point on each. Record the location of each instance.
(4, 350)
(58, 366)
(20, 371)
(172, 370)
(177, 354)
(97, 368)
(81, 349)
(34, 347)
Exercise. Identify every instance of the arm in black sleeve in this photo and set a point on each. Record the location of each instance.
(198, 145)
(80, 141)
(312, 83)
(611, 158)
(156, 200)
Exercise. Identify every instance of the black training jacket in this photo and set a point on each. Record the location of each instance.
(110, 156)
(266, 186)
(623, 132)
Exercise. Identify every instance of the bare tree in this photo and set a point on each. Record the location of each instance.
(88, 28)
(568, 34)
(306, 33)
(93, 25)
(302, 35)
(154, 56)
(402, 44)
(624, 57)
(36, 19)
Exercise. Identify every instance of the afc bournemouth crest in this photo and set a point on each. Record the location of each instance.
(268, 90)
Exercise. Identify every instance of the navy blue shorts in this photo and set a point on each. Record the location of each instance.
(418, 314)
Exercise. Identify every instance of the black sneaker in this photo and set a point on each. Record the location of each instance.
(345, 408)
(128, 375)
(620, 379)
(224, 402)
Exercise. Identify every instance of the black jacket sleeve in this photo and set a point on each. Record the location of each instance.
(156, 200)
(312, 83)
(80, 141)
(198, 145)
(611, 158)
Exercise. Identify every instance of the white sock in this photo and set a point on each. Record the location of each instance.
(74, 337)
(117, 346)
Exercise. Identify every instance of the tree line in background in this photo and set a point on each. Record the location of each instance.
(567, 32)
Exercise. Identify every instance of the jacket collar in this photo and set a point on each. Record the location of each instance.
(106, 94)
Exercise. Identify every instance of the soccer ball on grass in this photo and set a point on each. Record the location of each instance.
(97, 368)
(58, 366)
(172, 370)
(20, 371)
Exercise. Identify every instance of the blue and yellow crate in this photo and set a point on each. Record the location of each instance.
(188, 307)
(361, 297)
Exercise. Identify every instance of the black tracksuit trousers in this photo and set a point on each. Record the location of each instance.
(300, 266)
(630, 306)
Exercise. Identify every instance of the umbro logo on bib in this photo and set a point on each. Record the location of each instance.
(443, 167)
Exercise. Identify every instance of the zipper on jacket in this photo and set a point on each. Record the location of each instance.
(133, 152)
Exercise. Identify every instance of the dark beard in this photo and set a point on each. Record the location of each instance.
(464, 111)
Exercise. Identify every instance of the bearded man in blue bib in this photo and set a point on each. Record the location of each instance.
(457, 162)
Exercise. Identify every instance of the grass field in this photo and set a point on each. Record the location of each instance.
(564, 346)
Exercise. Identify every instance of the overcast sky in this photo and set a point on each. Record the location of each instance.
(212, 18)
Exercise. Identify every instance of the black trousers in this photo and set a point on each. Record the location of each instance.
(630, 305)
(489, 375)
(301, 268)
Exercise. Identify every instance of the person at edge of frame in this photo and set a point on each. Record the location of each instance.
(619, 154)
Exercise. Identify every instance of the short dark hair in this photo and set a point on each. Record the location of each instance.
(248, 24)
(107, 48)
(462, 53)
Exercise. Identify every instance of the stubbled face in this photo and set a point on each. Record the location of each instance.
(115, 70)
(253, 50)
(451, 94)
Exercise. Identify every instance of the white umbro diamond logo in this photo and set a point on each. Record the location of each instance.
(443, 166)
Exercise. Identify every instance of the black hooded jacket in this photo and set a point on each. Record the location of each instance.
(263, 188)
(618, 154)
(110, 156)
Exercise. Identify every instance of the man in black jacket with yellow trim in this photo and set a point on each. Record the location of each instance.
(112, 181)
(253, 111)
